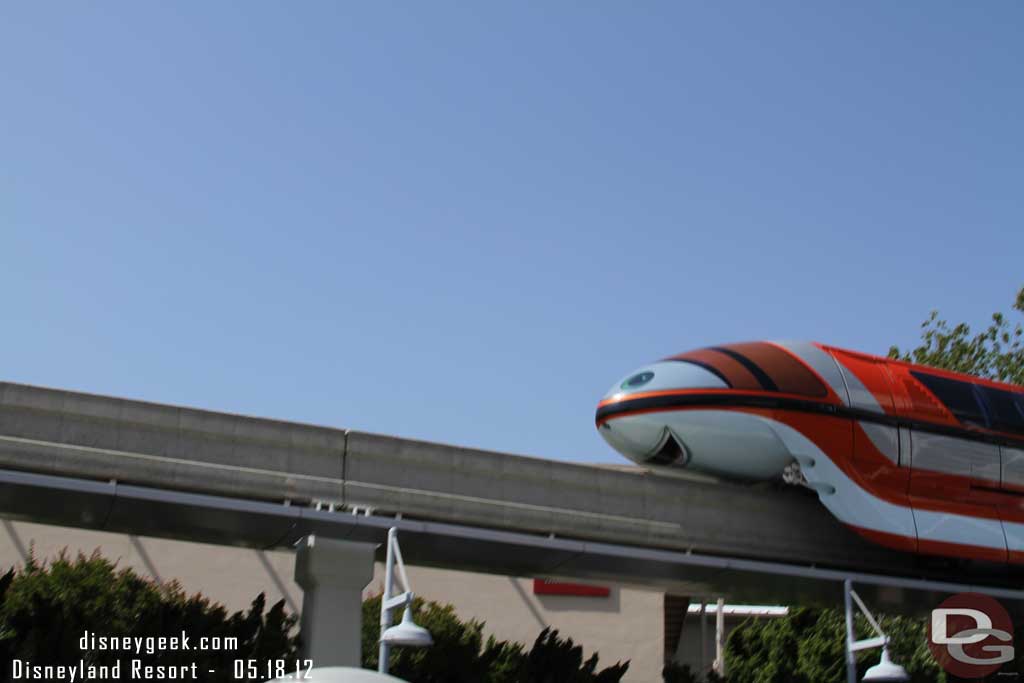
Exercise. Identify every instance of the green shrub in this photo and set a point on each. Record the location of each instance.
(807, 646)
(46, 608)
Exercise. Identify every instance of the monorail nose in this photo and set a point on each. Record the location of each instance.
(672, 414)
(643, 436)
(644, 441)
(666, 375)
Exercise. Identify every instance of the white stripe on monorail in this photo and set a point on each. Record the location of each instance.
(852, 504)
(453, 531)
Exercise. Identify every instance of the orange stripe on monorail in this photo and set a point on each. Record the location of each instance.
(972, 552)
(965, 431)
(624, 397)
(886, 539)
(875, 473)
(949, 374)
(968, 431)
(940, 548)
(889, 480)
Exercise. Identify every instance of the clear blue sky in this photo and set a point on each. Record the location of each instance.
(463, 223)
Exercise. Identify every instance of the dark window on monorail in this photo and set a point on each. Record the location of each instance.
(959, 397)
(1006, 409)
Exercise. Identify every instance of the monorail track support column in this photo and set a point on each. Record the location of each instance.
(332, 575)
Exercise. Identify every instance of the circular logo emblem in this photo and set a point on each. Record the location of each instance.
(970, 635)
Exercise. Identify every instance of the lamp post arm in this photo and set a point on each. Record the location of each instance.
(398, 601)
(867, 613)
(399, 562)
(868, 643)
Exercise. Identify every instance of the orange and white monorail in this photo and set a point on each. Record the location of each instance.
(911, 457)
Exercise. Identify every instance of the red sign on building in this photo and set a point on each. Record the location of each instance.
(548, 587)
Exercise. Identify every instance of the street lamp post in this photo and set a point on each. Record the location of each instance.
(407, 633)
(886, 671)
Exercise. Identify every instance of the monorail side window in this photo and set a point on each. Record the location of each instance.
(959, 397)
(1006, 409)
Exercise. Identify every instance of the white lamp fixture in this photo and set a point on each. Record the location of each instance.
(407, 633)
(886, 671)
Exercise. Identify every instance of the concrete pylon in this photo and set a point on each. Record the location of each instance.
(333, 575)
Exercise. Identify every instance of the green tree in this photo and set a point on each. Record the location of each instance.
(45, 609)
(995, 353)
(806, 646)
(556, 660)
(461, 655)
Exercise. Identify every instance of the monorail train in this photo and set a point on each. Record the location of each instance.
(910, 457)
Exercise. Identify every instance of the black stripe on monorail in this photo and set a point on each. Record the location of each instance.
(735, 400)
(766, 382)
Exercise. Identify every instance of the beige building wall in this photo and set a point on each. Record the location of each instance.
(626, 625)
(230, 576)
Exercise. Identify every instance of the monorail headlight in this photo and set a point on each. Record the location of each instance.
(637, 380)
